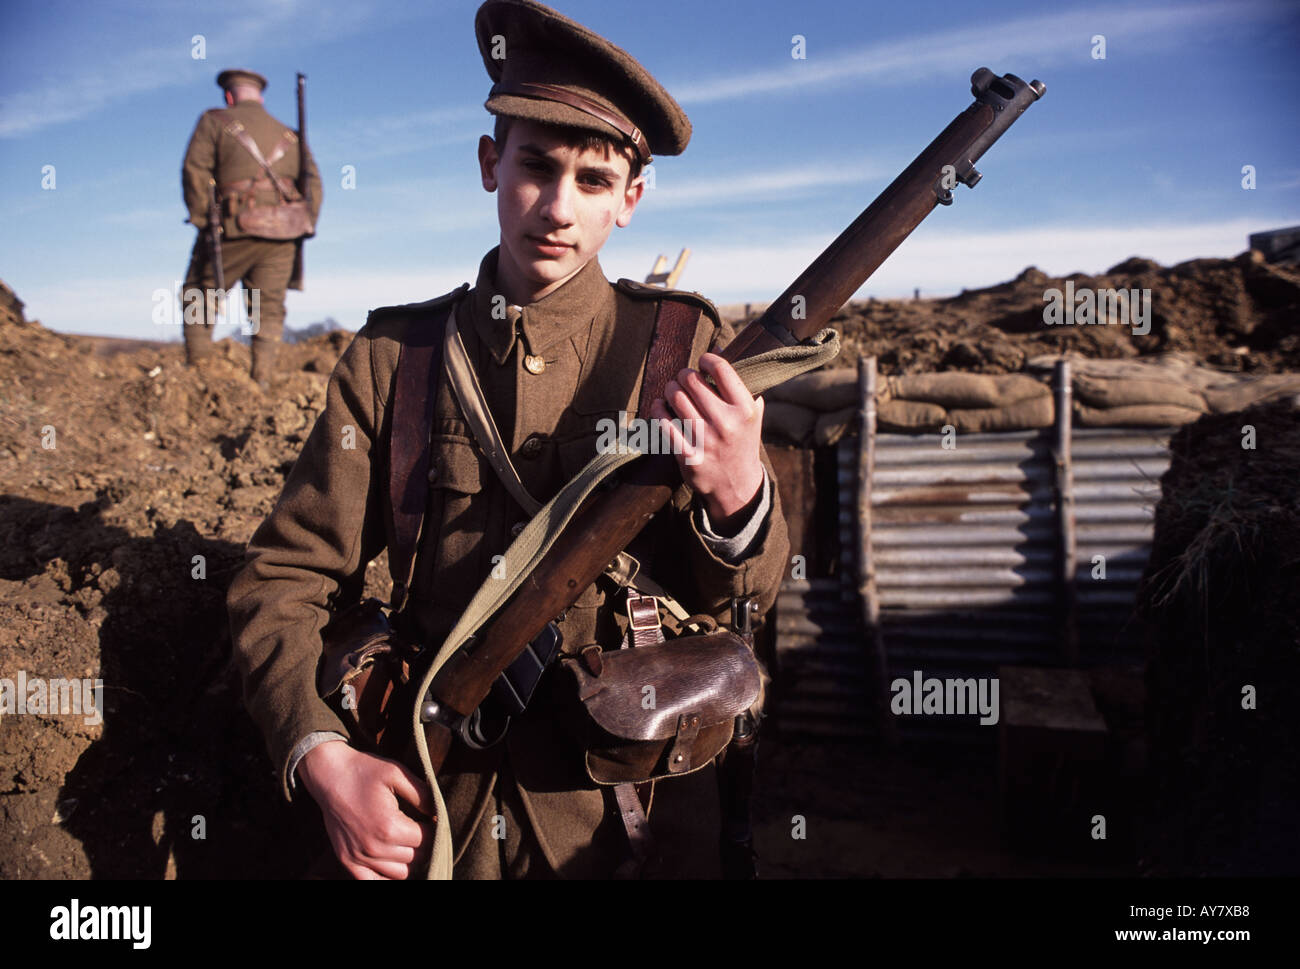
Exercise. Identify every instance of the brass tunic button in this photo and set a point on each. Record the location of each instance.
(534, 364)
(531, 447)
(516, 528)
(433, 473)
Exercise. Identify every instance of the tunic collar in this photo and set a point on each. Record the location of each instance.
(565, 312)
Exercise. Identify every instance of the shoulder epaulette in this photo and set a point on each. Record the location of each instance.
(645, 291)
(416, 309)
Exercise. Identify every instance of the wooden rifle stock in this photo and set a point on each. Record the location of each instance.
(609, 520)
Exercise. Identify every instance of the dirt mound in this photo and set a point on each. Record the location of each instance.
(1221, 600)
(130, 486)
(1235, 314)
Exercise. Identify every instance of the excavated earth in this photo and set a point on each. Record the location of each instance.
(1234, 314)
(1221, 610)
(130, 484)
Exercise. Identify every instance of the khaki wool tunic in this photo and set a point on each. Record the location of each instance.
(334, 516)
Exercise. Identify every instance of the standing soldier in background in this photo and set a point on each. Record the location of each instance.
(235, 150)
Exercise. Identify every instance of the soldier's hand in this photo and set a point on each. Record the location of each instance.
(360, 799)
(718, 453)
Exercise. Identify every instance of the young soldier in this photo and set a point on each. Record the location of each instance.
(556, 348)
(216, 155)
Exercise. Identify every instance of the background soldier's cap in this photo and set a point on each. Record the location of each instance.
(558, 72)
(228, 79)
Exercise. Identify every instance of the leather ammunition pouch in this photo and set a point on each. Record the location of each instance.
(662, 710)
(287, 220)
(365, 664)
(266, 211)
(362, 666)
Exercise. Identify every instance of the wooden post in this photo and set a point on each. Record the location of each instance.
(1066, 538)
(866, 565)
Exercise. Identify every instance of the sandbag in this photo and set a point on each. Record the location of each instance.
(1127, 391)
(966, 390)
(1170, 365)
(1022, 415)
(1134, 415)
(821, 390)
(1252, 390)
(833, 426)
(785, 423)
(906, 416)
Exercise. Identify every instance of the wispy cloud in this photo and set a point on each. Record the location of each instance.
(143, 217)
(70, 98)
(759, 187)
(1289, 178)
(398, 134)
(105, 74)
(1028, 42)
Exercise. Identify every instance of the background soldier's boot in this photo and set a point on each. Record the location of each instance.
(264, 353)
(198, 317)
(198, 348)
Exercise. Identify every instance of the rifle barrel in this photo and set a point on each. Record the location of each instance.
(304, 183)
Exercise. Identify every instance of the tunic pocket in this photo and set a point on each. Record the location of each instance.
(455, 465)
(583, 438)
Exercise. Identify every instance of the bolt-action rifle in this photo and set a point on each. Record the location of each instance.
(609, 520)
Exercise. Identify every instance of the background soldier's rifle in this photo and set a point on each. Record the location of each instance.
(214, 236)
(304, 181)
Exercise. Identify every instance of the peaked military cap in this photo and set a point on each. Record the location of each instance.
(548, 68)
(228, 79)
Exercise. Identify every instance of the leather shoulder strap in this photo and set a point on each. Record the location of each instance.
(236, 130)
(419, 373)
(670, 348)
(630, 287)
(283, 145)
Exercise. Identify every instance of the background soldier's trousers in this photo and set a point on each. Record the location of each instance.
(261, 264)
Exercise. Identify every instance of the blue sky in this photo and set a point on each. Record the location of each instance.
(1139, 153)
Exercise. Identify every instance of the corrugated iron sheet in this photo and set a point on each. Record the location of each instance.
(966, 549)
(965, 542)
(1116, 488)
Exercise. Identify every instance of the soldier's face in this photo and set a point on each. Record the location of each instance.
(556, 205)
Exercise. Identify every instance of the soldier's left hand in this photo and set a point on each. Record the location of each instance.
(718, 454)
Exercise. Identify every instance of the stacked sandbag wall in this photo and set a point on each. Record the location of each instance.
(819, 408)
